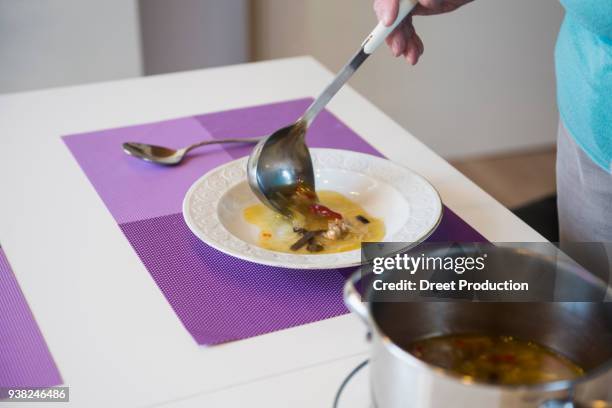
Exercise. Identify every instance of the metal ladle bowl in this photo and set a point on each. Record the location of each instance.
(281, 163)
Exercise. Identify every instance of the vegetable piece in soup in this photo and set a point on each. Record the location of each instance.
(501, 360)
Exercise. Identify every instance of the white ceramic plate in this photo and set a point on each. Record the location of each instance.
(408, 204)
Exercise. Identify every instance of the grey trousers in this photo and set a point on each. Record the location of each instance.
(584, 193)
(584, 200)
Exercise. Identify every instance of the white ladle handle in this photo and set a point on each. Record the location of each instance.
(381, 32)
(370, 45)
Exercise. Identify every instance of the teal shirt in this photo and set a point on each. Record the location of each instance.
(584, 76)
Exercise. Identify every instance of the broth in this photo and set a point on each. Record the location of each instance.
(501, 360)
(278, 233)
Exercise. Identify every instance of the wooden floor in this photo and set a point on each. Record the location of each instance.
(513, 179)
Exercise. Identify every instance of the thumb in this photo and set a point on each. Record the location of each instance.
(386, 11)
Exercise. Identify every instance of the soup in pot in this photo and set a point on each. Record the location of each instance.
(503, 360)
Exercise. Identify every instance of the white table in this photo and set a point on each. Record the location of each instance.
(79, 273)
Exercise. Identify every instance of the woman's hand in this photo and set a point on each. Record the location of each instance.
(404, 40)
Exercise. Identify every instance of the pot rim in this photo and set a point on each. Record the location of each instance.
(449, 374)
(445, 373)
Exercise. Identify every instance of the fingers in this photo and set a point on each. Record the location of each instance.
(397, 42)
(429, 7)
(386, 10)
(399, 38)
(414, 49)
(405, 41)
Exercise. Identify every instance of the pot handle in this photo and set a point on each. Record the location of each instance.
(353, 301)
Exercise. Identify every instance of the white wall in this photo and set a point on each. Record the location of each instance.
(485, 84)
(180, 35)
(48, 43)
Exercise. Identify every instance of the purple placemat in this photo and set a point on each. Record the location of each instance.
(218, 298)
(25, 360)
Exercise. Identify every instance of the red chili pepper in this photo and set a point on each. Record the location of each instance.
(324, 212)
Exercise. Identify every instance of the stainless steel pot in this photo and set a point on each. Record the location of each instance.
(580, 330)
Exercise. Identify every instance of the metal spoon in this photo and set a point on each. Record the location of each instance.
(171, 157)
(281, 163)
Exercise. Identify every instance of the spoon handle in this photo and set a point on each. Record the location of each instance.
(234, 140)
(371, 44)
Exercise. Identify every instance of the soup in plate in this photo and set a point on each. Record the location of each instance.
(330, 224)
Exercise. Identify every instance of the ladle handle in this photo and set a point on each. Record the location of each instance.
(376, 37)
(381, 32)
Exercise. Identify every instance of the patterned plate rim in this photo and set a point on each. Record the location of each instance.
(206, 193)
